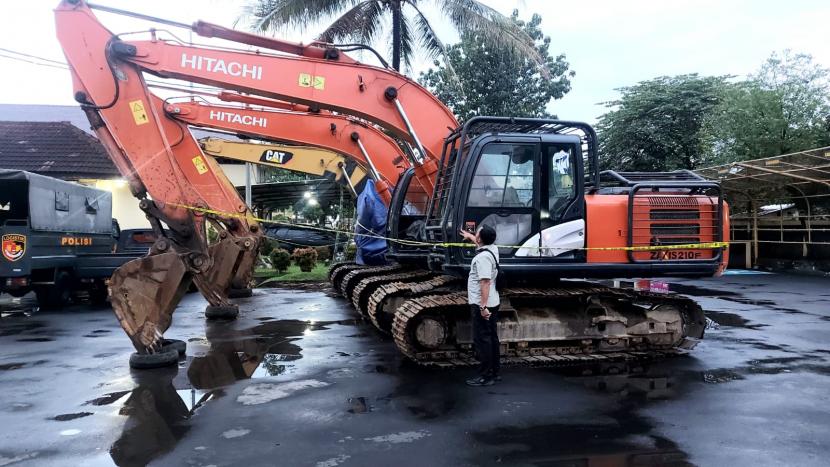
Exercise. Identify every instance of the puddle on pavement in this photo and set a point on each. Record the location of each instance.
(723, 318)
(65, 417)
(720, 375)
(35, 339)
(697, 291)
(771, 304)
(13, 326)
(628, 440)
(161, 405)
(157, 417)
(107, 399)
(267, 349)
(358, 405)
(18, 365)
(629, 382)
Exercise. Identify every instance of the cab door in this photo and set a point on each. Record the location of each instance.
(561, 234)
(502, 186)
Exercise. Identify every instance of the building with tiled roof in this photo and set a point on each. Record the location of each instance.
(54, 149)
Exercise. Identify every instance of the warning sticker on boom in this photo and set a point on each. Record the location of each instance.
(139, 114)
(200, 165)
(310, 81)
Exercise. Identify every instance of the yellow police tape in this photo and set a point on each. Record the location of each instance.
(685, 246)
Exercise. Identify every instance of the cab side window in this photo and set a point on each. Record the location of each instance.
(504, 177)
(561, 187)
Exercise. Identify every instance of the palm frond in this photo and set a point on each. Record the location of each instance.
(279, 15)
(407, 42)
(427, 37)
(474, 16)
(430, 41)
(360, 23)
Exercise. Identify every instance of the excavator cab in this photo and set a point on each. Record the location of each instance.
(526, 178)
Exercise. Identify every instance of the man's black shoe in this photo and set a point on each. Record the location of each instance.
(480, 381)
(497, 378)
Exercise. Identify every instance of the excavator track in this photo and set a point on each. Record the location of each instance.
(367, 286)
(339, 271)
(623, 325)
(336, 266)
(385, 295)
(352, 277)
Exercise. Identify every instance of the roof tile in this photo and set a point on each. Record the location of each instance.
(56, 149)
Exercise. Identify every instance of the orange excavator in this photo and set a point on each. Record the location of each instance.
(536, 181)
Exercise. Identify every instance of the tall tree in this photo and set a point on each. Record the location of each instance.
(478, 77)
(363, 21)
(782, 108)
(657, 125)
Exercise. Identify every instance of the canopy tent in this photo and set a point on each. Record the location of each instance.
(780, 206)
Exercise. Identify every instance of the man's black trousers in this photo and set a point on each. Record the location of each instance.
(486, 340)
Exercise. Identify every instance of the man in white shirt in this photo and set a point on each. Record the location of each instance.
(484, 304)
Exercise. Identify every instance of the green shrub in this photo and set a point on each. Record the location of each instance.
(323, 253)
(266, 247)
(305, 258)
(280, 259)
(351, 252)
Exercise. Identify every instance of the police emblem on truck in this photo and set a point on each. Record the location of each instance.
(14, 246)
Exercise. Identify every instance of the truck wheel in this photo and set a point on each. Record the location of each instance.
(55, 296)
(239, 293)
(221, 312)
(174, 344)
(18, 293)
(98, 293)
(144, 361)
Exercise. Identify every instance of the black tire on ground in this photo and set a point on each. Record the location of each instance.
(221, 312)
(57, 295)
(174, 344)
(161, 359)
(239, 293)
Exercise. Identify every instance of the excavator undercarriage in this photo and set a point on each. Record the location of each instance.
(428, 316)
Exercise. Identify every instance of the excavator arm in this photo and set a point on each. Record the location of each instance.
(301, 159)
(166, 170)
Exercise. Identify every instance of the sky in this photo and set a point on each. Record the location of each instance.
(609, 44)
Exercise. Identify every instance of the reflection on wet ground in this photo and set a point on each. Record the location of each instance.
(626, 439)
(156, 418)
(299, 379)
(264, 350)
(723, 318)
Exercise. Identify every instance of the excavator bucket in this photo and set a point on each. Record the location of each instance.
(244, 272)
(232, 258)
(144, 294)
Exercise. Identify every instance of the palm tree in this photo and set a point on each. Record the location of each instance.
(362, 21)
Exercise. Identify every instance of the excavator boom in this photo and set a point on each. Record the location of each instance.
(301, 159)
(348, 136)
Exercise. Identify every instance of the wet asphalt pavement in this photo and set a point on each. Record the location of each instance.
(298, 381)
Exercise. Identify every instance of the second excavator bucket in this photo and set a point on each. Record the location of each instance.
(144, 294)
(232, 258)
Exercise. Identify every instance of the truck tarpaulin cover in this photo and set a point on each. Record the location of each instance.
(371, 219)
